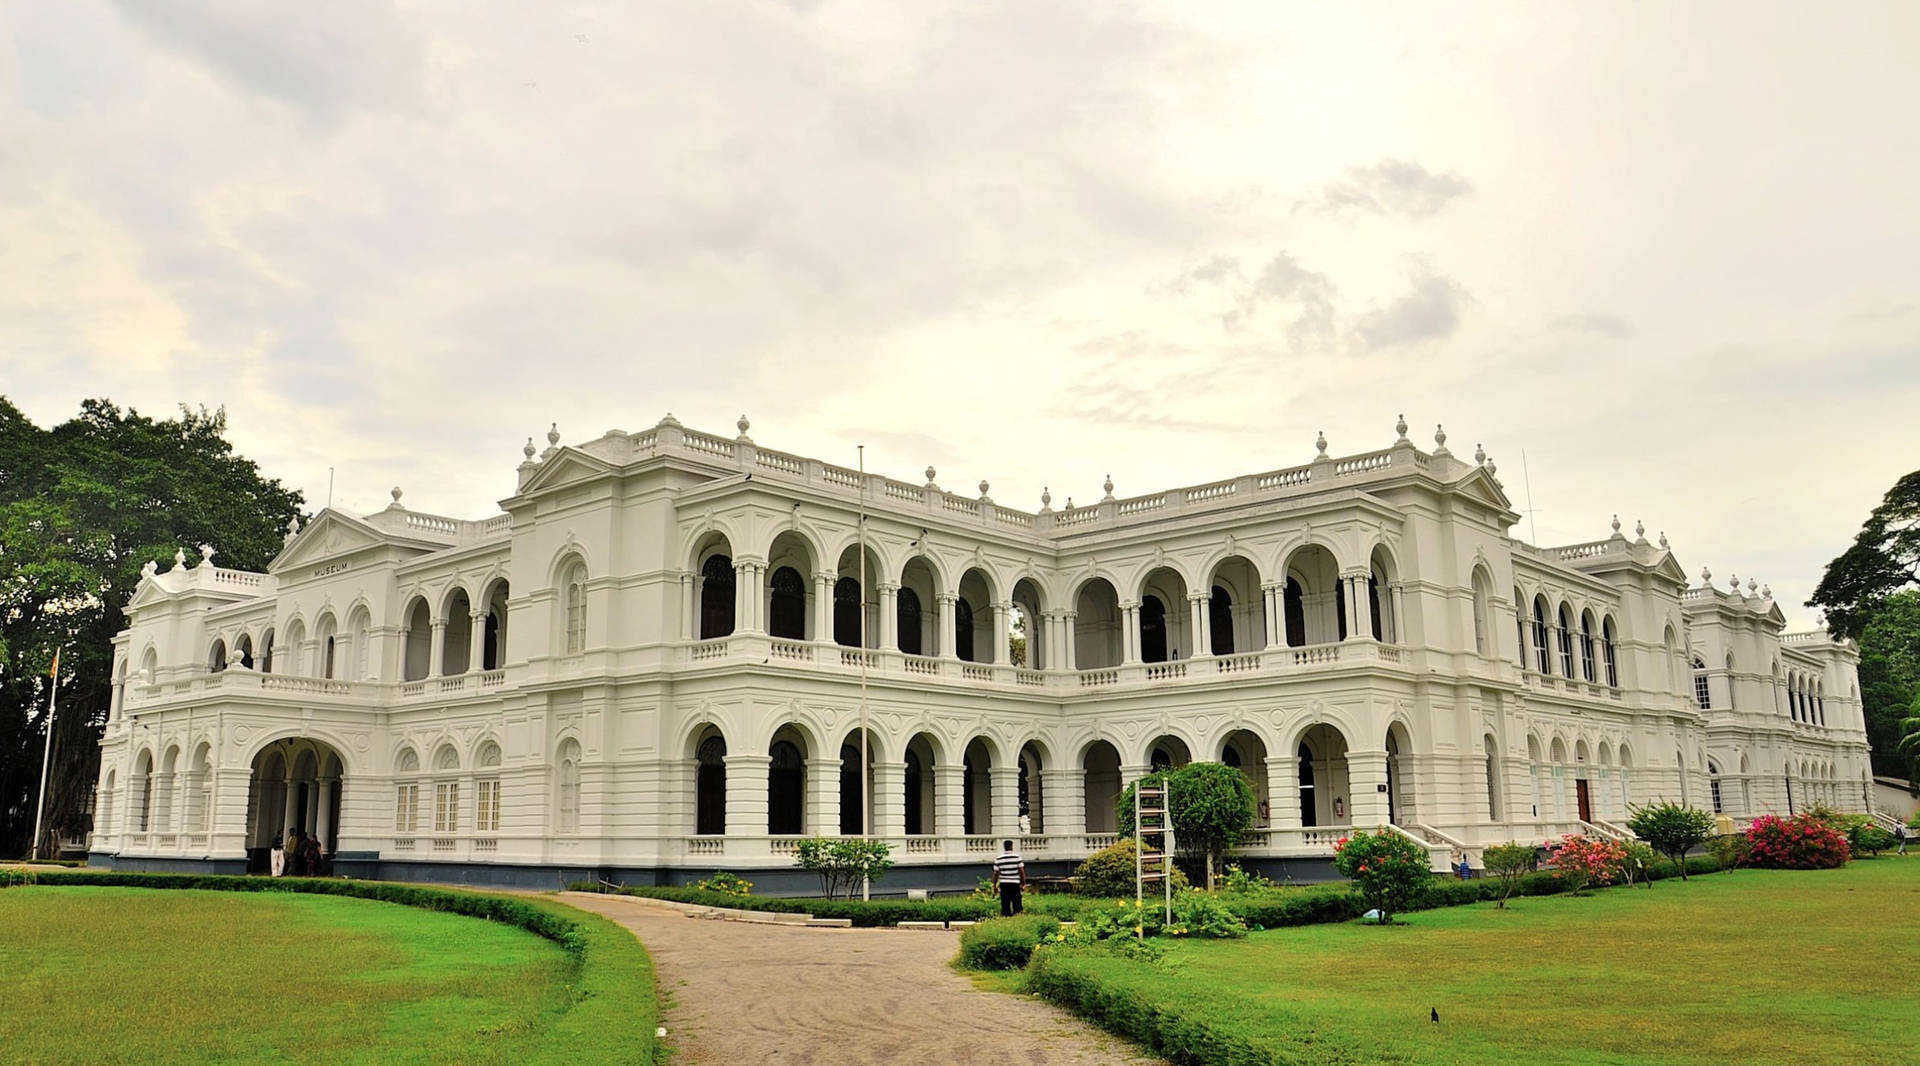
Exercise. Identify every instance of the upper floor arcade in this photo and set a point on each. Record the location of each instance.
(674, 550)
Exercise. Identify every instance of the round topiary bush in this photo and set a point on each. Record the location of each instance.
(1802, 842)
(1108, 873)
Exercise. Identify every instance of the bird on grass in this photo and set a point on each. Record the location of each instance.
(1436, 1015)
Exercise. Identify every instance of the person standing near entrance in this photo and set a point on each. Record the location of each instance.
(1010, 873)
(277, 857)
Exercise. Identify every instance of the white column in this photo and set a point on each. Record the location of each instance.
(438, 657)
(1396, 632)
(1064, 801)
(476, 645)
(1366, 772)
(823, 797)
(1005, 801)
(1130, 633)
(1283, 791)
(1270, 610)
(889, 799)
(949, 793)
(747, 794)
(1202, 640)
(689, 625)
(889, 618)
(823, 606)
(948, 646)
(1069, 655)
(1001, 637)
(291, 805)
(1358, 625)
(323, 814)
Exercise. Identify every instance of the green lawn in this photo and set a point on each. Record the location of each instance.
(1752, 966)
(135, 975)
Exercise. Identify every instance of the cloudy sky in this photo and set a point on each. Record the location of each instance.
(1671, 251)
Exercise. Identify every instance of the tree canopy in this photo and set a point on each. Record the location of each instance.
(1883, 559)
(1890, 678)
(1213, 808)
(82, 506)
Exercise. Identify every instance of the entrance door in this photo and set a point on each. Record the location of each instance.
(1586, 802)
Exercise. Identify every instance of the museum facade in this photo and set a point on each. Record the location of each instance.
(658, 660)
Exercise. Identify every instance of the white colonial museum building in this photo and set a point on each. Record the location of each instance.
(654, 664)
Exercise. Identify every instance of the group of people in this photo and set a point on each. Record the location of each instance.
(299, 855)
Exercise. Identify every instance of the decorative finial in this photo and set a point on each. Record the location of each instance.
(206, 555)
(930, 477)
(1108, 486)
(983, 488)
(669, 420)
(1479, 456)
(1752, 586)
(743, 424)
(1663, 541)
(528, 450)
(1320, 442)
(1046, 498)
(553, 434)
(1766, 591)
(1706, 576)
(1069, 503)
(1639, 529)
(148, 569)
(1616, 525)
(1400, 427)
(1820, 618)
(293, 525)
(396, 494)
(1439, 439)
(1734, 581)
(179, 558)
(1493, 469)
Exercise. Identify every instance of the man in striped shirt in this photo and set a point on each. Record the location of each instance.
(1010, 873)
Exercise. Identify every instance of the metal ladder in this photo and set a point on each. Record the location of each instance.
(1152, 824)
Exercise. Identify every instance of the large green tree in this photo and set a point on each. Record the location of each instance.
(1883, 559)
(82, 506)
(1890, 678)
(1212, 806)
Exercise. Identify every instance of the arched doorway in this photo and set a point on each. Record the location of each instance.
(710, 783)
(1032, 795)
(294, 789)
(977, 787)
(853, 800)
(1324, 797)
(787, 783)
(1246, 752)
(1101, 765)
(1167, 752)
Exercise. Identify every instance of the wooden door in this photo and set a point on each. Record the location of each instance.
(1586, 801)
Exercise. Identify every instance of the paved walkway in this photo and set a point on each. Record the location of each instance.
(740, 992)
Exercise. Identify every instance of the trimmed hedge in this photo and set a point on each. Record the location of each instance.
(1164, 1030)
(862, 913)
(1004, 943)
(615, 1010)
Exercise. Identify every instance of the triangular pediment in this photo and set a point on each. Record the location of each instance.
(1669, 568)
(566, 467)
(149, 592)
(1479, 486)
(330, 535)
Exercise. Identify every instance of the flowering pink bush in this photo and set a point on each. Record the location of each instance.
(1581, 861)
(1390, 870)
(1802, 842)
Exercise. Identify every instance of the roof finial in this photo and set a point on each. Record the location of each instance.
(1400, 427)
(930, 483)
(1046, 498)
(206, 555)
(1616, 525)
(743, 424)
(1663, 540)
(1639, 529)
(1706, 577)
(983, 488)
(1479, 456)
(553, 435)
(1766, 591)
(1752, 585)
(1734, 581)
(1440, 440)
(1320, 442)
(179, 558)
(395, 493)
(1108, 486)
(528, 450)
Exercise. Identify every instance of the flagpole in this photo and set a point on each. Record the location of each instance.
(866, 771)
(46, 755)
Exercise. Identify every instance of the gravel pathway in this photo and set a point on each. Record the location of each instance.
(742, 992)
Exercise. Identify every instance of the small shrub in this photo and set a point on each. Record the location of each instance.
(1390, 870)
(1729, 850)
(1873, 840)
(1636, 863)
(1506, 863)
(1803, 842)
(1005, 943)
(1582, 860)
(1201, 914)
(1109, 872)
(844, 862)
(726, 884)
(1238, 881)
(1672, 829)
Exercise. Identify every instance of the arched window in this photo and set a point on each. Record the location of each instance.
(576, 608)
(1481, 594)
(1607, 652)
(787, 607)
(1293, 604)
(846, 613)
(786, 789)
(569, 819)
(1220, 621)
(1713, 783)
(406, 794)
(1520, 626)
(907, 614)
(1153, 630)
(217, 657)
(1493, 780)
(1566, 641)
(1541, 649)
(1308, 816)
(266, 652)
(716, 597)
(710, 788)
(1373, 607)
(486, 797)
(963, 630)
(1586, 646)
(1702, 694)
